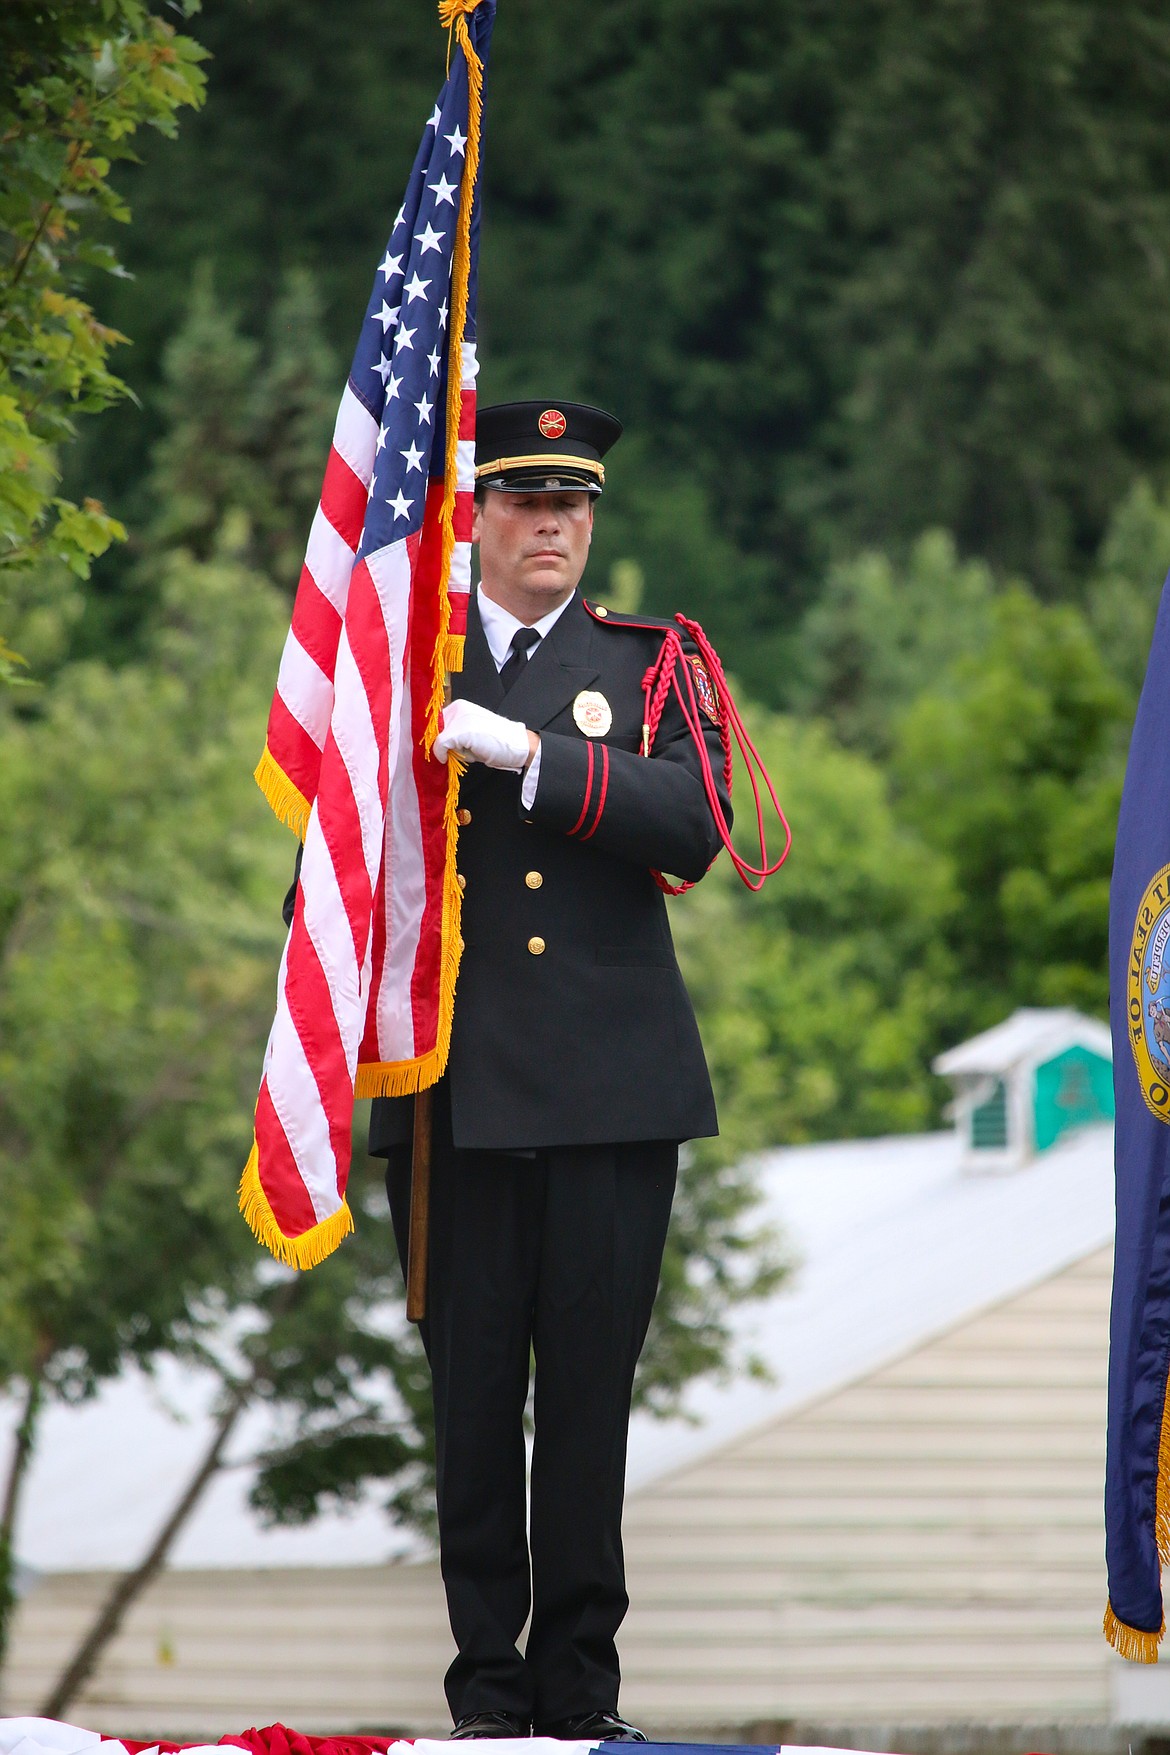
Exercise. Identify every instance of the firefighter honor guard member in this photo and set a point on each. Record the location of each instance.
(575, 1070)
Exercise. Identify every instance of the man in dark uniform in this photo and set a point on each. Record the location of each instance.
(575, 1070)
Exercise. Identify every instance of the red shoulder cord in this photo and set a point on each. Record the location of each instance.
(661, 677)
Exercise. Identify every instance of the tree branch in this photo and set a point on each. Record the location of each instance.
(130, 1585)
(21, 1455)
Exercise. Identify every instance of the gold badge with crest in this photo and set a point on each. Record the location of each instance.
(592, 714)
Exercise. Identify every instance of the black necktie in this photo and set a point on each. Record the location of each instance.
(523, 640)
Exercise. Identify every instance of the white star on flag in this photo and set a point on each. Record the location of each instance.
(433, 360)
(424, 409)
(443, 314)
(400, 215)
(413, 458)
(387, 316)
(458, 140)
(430, 239)
(382, 368)
(444, 191)
(436, 117)
(390, 265)
(406, 337)
(380, 446)
(399, 505)
(393, 387)
(417, 289)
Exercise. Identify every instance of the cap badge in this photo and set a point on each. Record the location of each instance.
(552, 424)
(592, 714)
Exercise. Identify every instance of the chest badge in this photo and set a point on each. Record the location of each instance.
(592, 714)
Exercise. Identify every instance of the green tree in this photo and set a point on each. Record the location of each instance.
(248, 427)
(139, 932)
(347, 1395)
(1010, 767)
(135, 981)
(77, 82)
(846, 272)
(880, 633)
(820, 998)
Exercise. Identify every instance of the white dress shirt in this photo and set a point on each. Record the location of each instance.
(499, 624)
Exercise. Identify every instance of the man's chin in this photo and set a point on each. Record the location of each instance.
(551, 585)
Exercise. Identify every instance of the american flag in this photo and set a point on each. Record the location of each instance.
(367, 978)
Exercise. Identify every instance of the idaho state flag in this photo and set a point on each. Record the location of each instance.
(1137, 1482)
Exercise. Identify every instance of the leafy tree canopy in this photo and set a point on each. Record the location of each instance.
(78, 79)
(847, 272)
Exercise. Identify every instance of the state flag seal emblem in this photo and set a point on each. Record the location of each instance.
(1148, 995)
(552, 424)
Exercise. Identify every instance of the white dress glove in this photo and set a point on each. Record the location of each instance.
(476, 735)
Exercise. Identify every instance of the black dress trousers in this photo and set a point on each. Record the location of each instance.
(553, 1255)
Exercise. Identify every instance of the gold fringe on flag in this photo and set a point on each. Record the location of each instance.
(402, 1078)
(288, 802)
(448, 651)
(311, 1246)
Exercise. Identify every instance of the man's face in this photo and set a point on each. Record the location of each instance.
(532, 548)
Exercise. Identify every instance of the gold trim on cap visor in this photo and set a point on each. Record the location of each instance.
(502, 465)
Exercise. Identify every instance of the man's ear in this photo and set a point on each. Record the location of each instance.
(476, 519)
(591, 517)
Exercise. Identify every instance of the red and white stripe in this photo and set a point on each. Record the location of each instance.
(358, 1005)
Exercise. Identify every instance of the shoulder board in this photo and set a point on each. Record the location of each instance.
(705, 690)
(612, 618)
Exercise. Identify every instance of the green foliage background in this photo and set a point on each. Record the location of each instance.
(880, 293)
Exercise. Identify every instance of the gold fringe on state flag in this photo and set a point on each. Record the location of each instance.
(1135, 1643)
(1131, 1642)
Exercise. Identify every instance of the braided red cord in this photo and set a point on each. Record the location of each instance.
(662, 676)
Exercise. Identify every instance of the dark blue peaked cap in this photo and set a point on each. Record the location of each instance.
(539, 447)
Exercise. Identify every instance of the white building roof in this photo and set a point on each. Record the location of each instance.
(894, 1245)
(1031, 1034)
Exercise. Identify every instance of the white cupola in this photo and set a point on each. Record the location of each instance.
(1023, 1084)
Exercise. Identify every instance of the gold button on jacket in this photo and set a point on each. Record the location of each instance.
(533, 879)
(536, 946)
(463, 817)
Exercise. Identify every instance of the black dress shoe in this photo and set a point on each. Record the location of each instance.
(593, 1727)
(491, 1724)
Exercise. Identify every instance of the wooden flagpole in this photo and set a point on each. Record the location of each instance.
(420, 1206)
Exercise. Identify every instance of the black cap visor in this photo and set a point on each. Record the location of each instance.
(541, 475)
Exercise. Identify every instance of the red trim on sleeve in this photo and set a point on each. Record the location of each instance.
(604, 790)
(588, 792)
